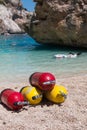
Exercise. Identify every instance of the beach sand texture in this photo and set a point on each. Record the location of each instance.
(71, 115)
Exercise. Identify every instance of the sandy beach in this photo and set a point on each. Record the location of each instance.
(71, 115)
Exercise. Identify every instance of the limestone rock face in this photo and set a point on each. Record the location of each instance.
(14, 2)
(13, 16)
(61, 22)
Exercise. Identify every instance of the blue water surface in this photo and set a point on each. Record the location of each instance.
(20, 56)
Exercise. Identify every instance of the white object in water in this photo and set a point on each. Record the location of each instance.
(65, 56)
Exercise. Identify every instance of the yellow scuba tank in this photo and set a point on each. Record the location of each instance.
(57, 95)
(32, 94)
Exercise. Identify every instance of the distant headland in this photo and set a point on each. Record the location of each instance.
(13, 17)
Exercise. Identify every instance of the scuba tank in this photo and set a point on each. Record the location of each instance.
(43, 81)
(57, 95)
(32, 94)
(12, 99)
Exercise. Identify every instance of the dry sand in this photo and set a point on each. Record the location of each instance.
(71, 115)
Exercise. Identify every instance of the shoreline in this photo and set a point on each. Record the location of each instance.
(21, 81)
(71, 115)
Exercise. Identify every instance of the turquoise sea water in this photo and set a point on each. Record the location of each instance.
(20, 56)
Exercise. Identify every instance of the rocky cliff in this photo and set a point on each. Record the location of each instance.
(13, 16)
(61, 22)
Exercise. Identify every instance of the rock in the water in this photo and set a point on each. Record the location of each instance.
(61, 22)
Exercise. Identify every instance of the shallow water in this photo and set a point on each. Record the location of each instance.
(20, 56)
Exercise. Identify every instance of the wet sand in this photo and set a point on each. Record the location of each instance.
(70, 115)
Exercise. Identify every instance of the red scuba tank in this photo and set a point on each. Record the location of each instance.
(44, 81)
(12, 99)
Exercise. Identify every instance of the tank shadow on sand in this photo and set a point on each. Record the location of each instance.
(45, 102)
(48, 103)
